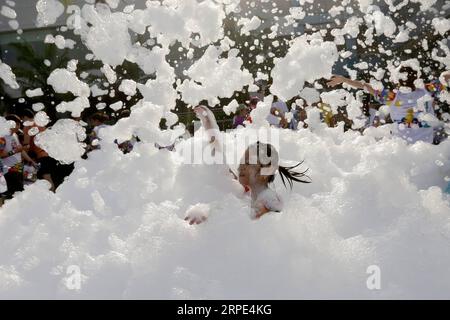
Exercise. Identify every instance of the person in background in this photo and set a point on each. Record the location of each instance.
(128, 145)
(240, 117)
(277, 116)
(29, 173)
(301, 117)
(253, 102)
(404, 102)
(97, 122)
(47, 165)
(11, 153)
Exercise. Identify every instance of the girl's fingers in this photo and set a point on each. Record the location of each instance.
(195, 220)
(201, 220)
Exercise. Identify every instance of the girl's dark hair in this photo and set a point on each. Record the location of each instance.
(290, 175)
(287, 174)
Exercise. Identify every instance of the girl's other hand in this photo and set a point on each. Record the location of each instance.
(197, 214)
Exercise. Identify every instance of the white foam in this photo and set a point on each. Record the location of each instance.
(7, 75)
(48, 12)
(306, 61)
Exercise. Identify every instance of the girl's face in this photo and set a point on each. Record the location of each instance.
(248, 174)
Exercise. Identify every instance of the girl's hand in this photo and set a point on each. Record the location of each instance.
(335, 81)
(195, 220)
(197, 214)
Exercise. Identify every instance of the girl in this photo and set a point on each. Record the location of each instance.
(256, 171)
